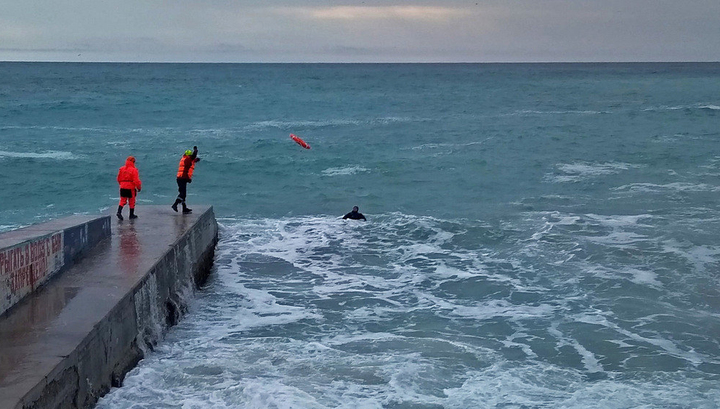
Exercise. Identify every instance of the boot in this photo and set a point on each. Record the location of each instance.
(177, 202)
(186, 209)
(132, 214)
(119, 212)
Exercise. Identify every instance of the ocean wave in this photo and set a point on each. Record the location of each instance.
(290, 125)
(698, 106)
(531, 112)
(422, 311)
(449, 145)
(577, 171)
(298, 124)
(563, 239)
(667, 108)
(54, 155)
(636, 275)
(585, 225)
(58, 128)
(495, 309)
(621, 220)
(344, 171)
(9, 227)
(660, 108)
(669, 187)
(503, 384)
(701, 258)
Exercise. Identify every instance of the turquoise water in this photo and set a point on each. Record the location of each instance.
(539, 236)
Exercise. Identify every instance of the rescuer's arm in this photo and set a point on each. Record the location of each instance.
(137, 181)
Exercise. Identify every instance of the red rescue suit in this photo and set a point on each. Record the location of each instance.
(129, 181)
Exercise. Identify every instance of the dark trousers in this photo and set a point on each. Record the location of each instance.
(127, 195)
(182, 189)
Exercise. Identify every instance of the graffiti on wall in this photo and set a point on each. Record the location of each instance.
(26, 266)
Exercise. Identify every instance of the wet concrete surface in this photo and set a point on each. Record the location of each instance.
(14, 237)
(48, 249)
(49, 325)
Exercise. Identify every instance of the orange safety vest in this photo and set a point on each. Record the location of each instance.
(187, 165)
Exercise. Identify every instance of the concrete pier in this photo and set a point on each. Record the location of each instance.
(31, 256)
(65, 345)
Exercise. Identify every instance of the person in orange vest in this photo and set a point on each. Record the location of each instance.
(184, 176)
(130, 185)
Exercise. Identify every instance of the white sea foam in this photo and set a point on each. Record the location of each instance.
(577, 171)
(263, 393)
(619, 238)
(667, 108)
(449, 145)
(701, 258)
(669, 187)
(643, 277)
(625, 220)
(55, 155)
(711, 107)
(61, 128)
(648, 338)
(616, 229)
(669, 347)
(490, 309)
(344, 171)
(290, 125)
(590, 361)
(119, 143)
(632, 274)
(315, 312)
(531, 112)
(545, 385)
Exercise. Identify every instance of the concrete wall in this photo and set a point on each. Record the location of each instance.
(30, 256)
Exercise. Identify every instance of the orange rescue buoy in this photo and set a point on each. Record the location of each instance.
(300, 141)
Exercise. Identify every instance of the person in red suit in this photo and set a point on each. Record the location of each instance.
(130, 185)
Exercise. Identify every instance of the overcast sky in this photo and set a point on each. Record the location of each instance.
(360, 31)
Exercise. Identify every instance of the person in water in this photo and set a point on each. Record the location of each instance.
(184, 176)
(355, 215)
(130, 184)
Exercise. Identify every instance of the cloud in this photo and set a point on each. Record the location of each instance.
(17, 33)
(358, 13)
(375, 31)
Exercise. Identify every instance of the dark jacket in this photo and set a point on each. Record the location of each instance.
(355, 215)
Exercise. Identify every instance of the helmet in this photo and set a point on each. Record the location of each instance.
(188, 152)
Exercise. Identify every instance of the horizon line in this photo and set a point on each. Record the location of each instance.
(360, 62)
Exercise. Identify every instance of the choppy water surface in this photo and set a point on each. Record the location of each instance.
(539, 236)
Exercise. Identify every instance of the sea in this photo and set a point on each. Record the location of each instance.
(537, 235)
